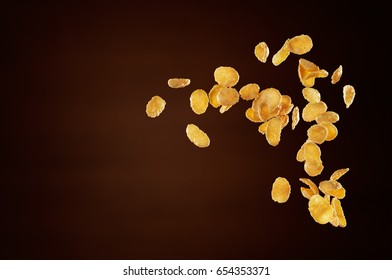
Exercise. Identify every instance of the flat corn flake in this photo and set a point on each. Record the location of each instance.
(332, 188)
(328, 116)
(311, 95)
(249, 91)
(199, 101)
(332, 130)
(155, 106)
(252, 116)
(282, 54)
(300, 44)
(262, 51)
(312, 110)
(228, 96)
(336, 75)
(311, 150)
(312, 186)
(317, 133)
(294, 117)
(178, 82)
(337, 206)
(197, 136)
(348, 95)
(308, 72)
(339, 173)
(226, 76)
(320, 209)
(280, 190)
(273, 132)
(212, 95)
(313, 167)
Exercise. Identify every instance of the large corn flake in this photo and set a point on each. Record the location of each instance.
(337, 206)
(213, 95)
(308, 72)
(317, 133)
(311, 150)
(155, 106)
(282, 54)
(332, 188)
(348, 95)
(197, 136)
(178, 82)
(273, 132)
(312, 110)
(337, 74)
(320, 209)
(249, 91)
(294, 117)
(226, 76)
(280, 190)
(313, 167)
(199, 101)
(270, 96)
(311, 95)
(331, 129)
(300, 44)
(339, 173)
(262, 51)
(228, 96)
(328, 116)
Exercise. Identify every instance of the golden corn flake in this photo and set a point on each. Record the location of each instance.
(317, 133)
(312, 186)
(226, 76)
(228, 96)
(311, 150)
(328, 116)
(285, 105)
(332, 188)
(294, 117)
(308, 72)
(273, 132)
(285, 120)
(306, 192)
(155, 106)
(348, 95)
(270, 96)
(252, 116)
(336, 75)
(311, 95)
(262, 51)
(300, 44)
(301, 154)
(213, 94)
(337, 206)
(312, 110)
(313, 167)
(264, 112)
(280, 190)
(199, 101)
(224, 108)
(178, 82)
(197, 136)
(282, 54)
(339, 173)
(332, 130)
(249, 91)
(320, 209)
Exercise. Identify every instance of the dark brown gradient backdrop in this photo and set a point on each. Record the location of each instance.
(87, 175)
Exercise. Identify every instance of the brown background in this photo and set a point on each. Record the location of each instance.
(87, 175)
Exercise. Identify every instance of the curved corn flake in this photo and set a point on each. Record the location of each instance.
(311, 151)
(317, 133)
(348, 95)
(313, 167)
(228, 96)
(320, 209)
(300, 44)
(199, 101)
(262, 51)
(311, 95)
(332, 188)
(224, 108)
(178, 82)
(339, 173)
(308, 72)
(282, 54)
(331, 129)
(252, 116)
(280, 190)
(273, 132)
(263, 128)
(312, 186)
(312, 110)
(328, 116)
(294, 117)
(212, 95)
(249, 91)
(155, 106)
(197, 136)
(301, 154)
(337, 74)
(306, 192)
(337, 206)
(226, 76)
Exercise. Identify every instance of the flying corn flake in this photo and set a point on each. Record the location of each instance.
(197, 136)
(300, 44)
(336, 75)
(312, 110)
(155, 106)
(226, 76)
(294, 117)
(178, 82)
(249, 91)
(320, 209)
(309, 71)
(280, 190)
(311, 95)
(282, 54)
(348, 95)
(262, 51)
(199, 101)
